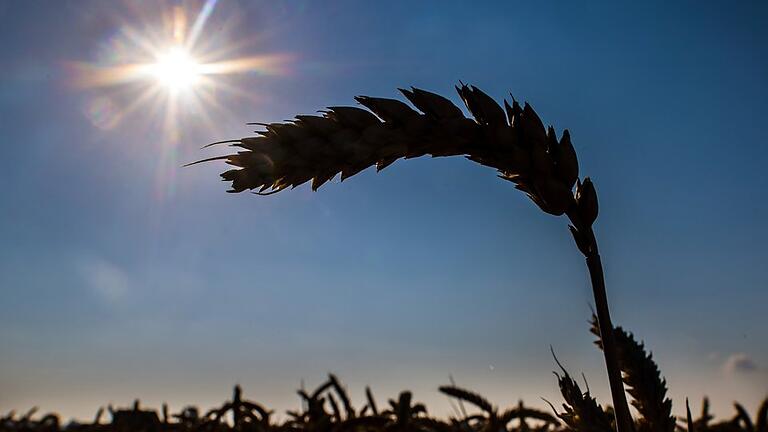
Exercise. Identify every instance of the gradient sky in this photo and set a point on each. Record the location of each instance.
(123, 275)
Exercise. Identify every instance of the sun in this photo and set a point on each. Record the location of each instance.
(173, 58)
(176, 69)
(160, 73)
(163, 68)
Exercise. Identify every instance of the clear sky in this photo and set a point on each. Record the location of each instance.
(123, 275)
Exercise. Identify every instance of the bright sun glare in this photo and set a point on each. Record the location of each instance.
(163, 68)
(176, 69)
(163, 65)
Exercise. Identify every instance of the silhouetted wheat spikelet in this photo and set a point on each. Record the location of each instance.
(644, 382)
(741, 422)
(347, 140)
(493, 421)
(582, 412)
(512, 139)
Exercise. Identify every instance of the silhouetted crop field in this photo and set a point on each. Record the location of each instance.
(329, 409)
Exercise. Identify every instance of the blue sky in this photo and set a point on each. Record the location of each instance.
(123, 275)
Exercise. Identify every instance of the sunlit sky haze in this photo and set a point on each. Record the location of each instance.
(123, 275)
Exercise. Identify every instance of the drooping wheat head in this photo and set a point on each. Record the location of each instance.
(347, 140)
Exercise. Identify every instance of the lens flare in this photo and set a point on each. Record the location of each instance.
(102, 113)
(167, 60)
(163, 69)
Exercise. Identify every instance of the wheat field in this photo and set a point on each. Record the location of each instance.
(329, 409)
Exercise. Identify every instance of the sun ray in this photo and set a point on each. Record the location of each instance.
(90, 76)
(202, 17)
(145, 96)
(267, 64)
(144, 41)
(179, 24)
(201, 102)
(206, 99)
(210, 51)
(231, 89)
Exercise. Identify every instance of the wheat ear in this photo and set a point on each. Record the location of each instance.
(643, 379)
(512, 140)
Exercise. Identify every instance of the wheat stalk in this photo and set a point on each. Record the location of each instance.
(512, 140)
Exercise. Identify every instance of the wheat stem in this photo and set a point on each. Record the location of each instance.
(587, 243)
(623, 418)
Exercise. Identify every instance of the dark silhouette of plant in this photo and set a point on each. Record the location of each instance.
(135, 419)
(48, 423)
(403, 411)
(189, 418)
(581, 413)
(246, 415)
(512, 140)
(643, 380)
(741, 422)
(371, 403)
(491, 420)
(316, 418)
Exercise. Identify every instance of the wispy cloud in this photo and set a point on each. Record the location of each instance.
(739, 363)
(106, 280)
